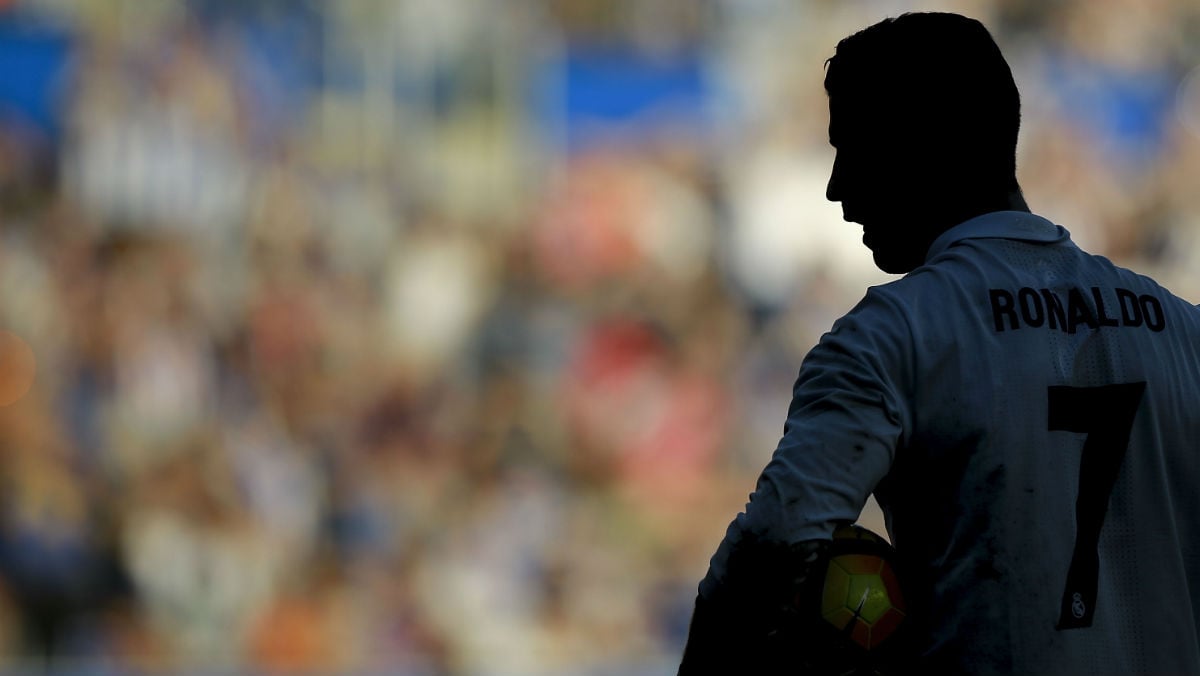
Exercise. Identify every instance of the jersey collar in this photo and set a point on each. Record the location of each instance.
(1018, 225)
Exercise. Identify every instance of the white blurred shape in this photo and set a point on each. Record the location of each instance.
(784, 230)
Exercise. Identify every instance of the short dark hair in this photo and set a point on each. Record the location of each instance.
(940, 77)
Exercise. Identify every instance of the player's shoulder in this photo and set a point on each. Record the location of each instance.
(927, 286)
(1150, 284)
(947, 293)
(896, 304)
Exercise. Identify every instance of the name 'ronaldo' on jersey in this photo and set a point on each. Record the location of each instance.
(1035, 308)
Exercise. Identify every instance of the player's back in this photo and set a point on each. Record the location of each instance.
(1047, 494)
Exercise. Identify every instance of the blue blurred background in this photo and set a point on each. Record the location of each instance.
(446, 336)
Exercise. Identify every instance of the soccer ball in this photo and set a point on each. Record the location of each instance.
(861, 595)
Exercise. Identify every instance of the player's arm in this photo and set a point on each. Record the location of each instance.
(845, 421)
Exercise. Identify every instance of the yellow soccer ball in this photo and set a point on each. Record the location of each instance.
(861, 595)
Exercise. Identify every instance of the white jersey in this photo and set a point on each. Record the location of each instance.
(1028, 416)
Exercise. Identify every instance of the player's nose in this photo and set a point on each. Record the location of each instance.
(833, 189)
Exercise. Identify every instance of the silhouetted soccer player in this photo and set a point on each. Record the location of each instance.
(1027, 414)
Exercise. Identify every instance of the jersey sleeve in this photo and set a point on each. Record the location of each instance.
(846, 419)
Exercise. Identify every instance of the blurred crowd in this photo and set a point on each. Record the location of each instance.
(437, 337)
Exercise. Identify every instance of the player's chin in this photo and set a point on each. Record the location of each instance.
(892, 261)
(891, 249)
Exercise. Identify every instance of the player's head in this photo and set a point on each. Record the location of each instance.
(924, 114)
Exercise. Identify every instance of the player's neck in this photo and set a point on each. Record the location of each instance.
(1013, 200)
